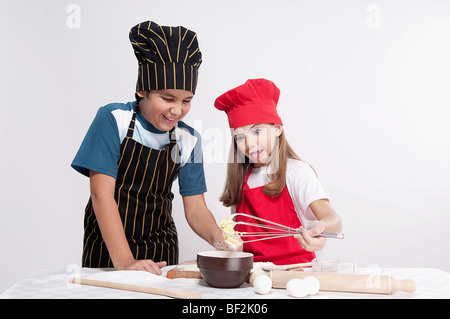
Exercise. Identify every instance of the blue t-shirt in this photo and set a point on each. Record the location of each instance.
(100, 149)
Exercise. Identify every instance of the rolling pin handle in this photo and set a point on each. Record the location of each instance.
(405, 285)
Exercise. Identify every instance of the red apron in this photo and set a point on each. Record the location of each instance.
(280, 209)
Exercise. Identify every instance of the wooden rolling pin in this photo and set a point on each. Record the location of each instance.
(180, 294)
(373, 284)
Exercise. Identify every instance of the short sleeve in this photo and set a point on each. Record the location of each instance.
(100, 149)
(191, 177)
(304, 188)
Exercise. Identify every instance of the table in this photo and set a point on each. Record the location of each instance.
(52, 284)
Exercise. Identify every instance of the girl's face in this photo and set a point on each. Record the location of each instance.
(165, 108)
(257, 141)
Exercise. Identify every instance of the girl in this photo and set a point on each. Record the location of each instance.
(265, 177)
(133, 152)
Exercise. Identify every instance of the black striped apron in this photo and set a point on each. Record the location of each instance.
(144, 197)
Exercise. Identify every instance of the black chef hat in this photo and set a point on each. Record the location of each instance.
(169, 57)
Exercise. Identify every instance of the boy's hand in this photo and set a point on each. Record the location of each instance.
(307, 239)
(220, 243)
(144, 264)
(224, 245)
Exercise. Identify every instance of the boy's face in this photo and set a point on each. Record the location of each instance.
(165, 108)
(257, 141)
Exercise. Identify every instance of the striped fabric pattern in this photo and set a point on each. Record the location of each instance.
(168, 57)
(144, 198)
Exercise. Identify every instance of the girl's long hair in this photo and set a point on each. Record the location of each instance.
(238, 165)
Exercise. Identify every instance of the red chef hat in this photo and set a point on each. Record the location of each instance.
(251, 103)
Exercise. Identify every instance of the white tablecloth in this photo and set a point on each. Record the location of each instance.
(430, 283)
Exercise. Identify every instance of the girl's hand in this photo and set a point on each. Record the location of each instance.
(307, 239)
(143, 264)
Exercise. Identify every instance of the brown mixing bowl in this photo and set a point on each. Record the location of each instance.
(225, 269)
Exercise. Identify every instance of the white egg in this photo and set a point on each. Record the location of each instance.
(262, 284)
(297, 288)
(313, 284)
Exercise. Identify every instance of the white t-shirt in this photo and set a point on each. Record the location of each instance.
(302, 184)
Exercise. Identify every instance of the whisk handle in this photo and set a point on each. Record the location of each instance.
(331, 235)
(327, 234)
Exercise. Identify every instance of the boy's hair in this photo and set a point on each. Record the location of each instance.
(138, 98)
(237, 170)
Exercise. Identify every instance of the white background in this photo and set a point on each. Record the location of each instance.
(364, 99)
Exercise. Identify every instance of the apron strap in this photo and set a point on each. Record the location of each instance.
(131, 126)
(247, 175)
(172, 136)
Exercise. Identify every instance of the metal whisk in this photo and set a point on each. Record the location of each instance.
(274, 230)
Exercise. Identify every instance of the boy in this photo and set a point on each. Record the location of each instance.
(134, 151)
